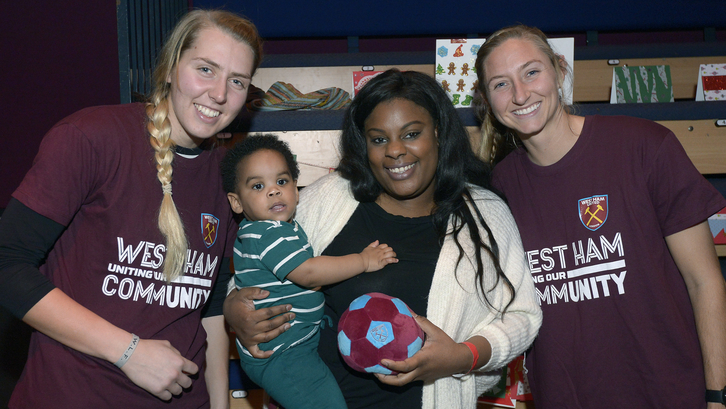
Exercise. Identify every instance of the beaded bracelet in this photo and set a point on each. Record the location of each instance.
(474, 352)
(129, 350)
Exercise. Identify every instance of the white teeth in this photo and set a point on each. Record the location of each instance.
(401, 169)
(525, 111)
(206, 111)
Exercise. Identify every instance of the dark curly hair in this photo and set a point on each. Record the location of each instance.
(457, 163)
(248, 146)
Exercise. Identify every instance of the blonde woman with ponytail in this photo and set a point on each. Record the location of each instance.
(612, 215)
(112, 245)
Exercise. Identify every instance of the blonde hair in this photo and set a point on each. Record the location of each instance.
(158, 125)
(496, 139)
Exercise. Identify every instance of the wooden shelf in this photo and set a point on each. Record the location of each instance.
(704, 142)
(594, 78)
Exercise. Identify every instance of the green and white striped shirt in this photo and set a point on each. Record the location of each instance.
(265, 252)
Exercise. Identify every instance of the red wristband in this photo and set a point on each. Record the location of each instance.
(474, 352)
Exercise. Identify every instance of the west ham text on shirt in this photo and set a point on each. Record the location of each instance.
(137, 276)
(584, 271)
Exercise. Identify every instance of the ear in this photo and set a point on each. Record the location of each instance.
(235, 203)
(563, 66)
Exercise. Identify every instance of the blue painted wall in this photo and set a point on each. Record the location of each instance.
(330, 18)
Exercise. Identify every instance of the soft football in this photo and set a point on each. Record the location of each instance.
(376, 326)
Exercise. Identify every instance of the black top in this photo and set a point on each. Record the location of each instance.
(417, 247)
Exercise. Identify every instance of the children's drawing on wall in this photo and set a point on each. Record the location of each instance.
(641, 84)
(456, 71)
(711, 82)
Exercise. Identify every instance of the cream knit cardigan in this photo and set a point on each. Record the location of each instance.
(453, 304)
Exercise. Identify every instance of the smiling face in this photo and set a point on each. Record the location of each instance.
(522, 88)
(208, 86)
(403, 155)
(266, 189)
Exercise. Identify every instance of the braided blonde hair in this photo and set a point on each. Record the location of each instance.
(496, 139)
(159, 127)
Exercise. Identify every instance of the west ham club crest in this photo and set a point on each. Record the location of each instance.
(593, 211)
(209, 229)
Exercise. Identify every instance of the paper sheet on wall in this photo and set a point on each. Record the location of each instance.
(641, 84)
(512, 386)
(717, 224)
(456, 71)
(361, 78)
(500, 394)
(711, 82)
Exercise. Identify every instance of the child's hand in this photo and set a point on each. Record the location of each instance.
(376, 256)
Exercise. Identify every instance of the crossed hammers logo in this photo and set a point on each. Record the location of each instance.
(210, 229)
(593, 215)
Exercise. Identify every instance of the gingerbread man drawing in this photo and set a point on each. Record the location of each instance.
(452, 68)
(465, 69)
(445, 85)
(460, 85)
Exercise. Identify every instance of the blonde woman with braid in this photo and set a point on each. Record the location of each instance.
(613, 220)
(112, 245)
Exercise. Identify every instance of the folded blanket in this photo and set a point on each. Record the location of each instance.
(282, 96)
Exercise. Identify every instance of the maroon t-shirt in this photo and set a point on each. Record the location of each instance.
(95, 174)
(618, 329)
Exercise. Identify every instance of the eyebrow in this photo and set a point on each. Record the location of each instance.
(215, 65)
(521, 67)
(414, 122)
(251, 178)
